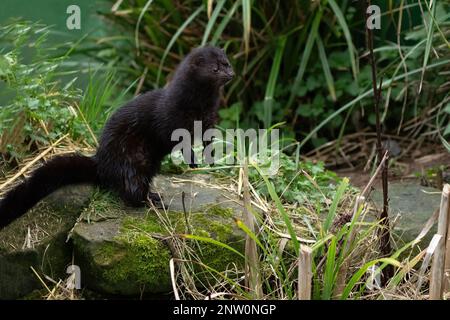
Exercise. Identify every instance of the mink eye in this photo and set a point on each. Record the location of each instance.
(216, 69)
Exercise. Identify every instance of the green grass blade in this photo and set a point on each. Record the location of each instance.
(305, 56)
(348, 37)
(330, 271)
(326, 67)
(174, 38)
(358, 275)
(445, 143)
(224, 23)
(212, 21)
(247, 22)
(141, 15)
(244, 228)
(270, 89)
(436, 24)
(429, 43)
(213, 241)
(281, 209)
(333, 209)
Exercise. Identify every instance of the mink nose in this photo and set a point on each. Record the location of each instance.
(230, 75)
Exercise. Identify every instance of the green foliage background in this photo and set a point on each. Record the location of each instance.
(297, 61)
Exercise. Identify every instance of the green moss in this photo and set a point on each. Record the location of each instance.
(217, 229)
(221, 228)
(148, 224)
(135, 258)
(217, 210)
(218, 258)
(215, 223)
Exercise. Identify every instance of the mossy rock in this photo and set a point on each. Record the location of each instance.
(38, 240)
(126, 251)
(120, 251)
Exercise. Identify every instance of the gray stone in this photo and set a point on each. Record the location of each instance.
(410, 206)
(120, 250)
(124, 252)
(38, 240)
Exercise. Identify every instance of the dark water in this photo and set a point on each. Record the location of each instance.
(53, 12)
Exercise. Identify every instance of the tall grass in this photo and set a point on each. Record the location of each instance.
(341, 237)
(284, 52)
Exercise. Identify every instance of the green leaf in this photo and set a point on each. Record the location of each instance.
(326, 68)
(305, 56)
(330, 271)
(348, 37)
(270, 89)
(247, 22)
(174, 38)
(213, 241)
(212, 20)
(447, 108)
(447, 130)
(358, 275)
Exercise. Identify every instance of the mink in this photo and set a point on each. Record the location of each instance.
(135, 139)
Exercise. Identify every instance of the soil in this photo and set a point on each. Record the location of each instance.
(430, 170)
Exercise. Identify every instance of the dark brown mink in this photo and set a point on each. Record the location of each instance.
(135, 138)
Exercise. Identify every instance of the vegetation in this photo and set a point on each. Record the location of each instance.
(287, 51)
(302, 66)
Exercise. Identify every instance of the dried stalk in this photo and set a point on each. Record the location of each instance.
(384, 231)
(438, 265)
(252, 276)
(304, 273)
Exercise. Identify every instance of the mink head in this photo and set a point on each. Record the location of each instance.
(209, 65)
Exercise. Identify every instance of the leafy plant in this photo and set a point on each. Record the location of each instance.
(36, 108)
(39, 105)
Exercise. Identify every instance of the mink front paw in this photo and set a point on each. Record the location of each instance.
(156, 199)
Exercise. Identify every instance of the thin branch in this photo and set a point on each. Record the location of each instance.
(384, 231)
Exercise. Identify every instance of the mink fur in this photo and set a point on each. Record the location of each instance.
(135, 138)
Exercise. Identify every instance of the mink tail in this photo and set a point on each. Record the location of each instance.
(54, 174)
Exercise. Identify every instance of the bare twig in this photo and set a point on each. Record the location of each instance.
(384, 231)
(374, 176)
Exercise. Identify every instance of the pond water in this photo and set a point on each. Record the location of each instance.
(54, 13)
